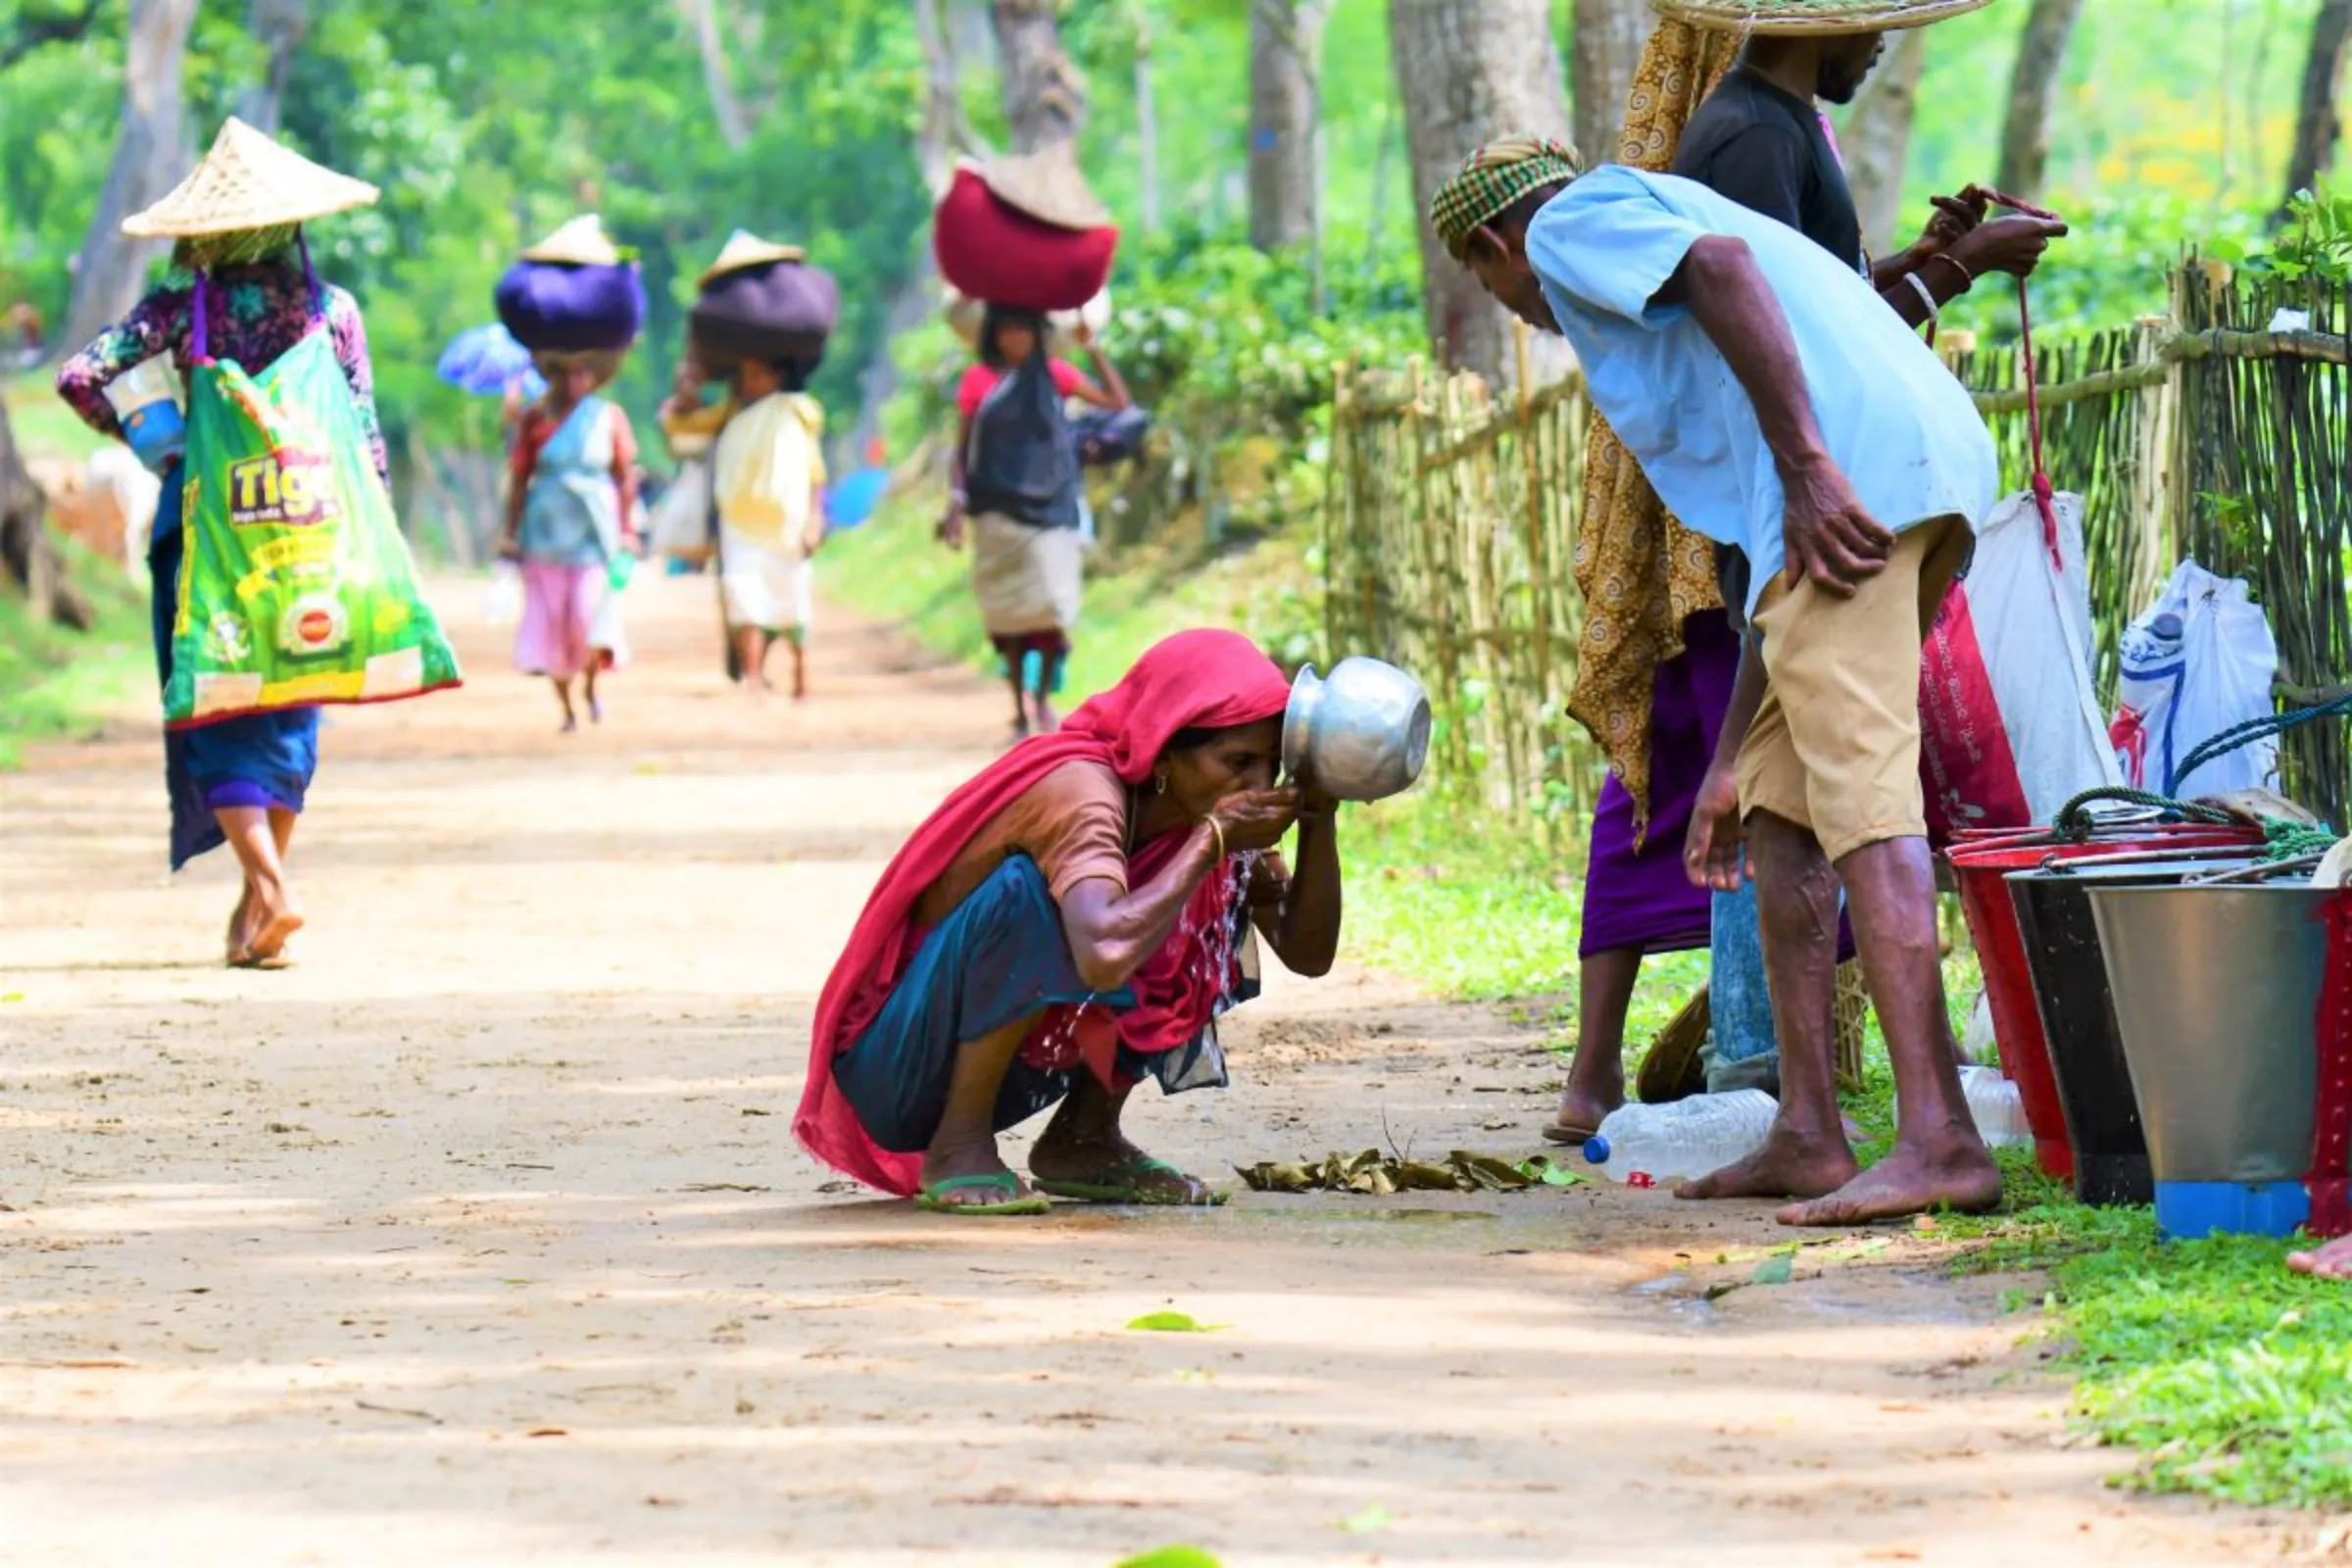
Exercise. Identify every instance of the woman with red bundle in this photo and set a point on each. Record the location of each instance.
(1015, 472)
(1069, 923)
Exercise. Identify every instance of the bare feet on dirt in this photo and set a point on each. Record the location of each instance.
(1909, 1181)
(1789, 1165)
(274, 917)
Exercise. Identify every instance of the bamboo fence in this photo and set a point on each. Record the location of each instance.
(1451, 514)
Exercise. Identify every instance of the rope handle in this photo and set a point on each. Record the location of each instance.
(2045, 493)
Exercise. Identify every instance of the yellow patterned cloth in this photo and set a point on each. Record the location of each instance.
(1641, 571)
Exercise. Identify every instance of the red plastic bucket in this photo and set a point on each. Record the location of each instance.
(1979, 866)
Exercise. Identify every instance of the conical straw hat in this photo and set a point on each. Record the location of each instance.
(582, 242)
(248, 181)
(1817, 17)
(747, 249)
(1048, 185)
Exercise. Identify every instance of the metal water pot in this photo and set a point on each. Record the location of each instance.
(1361, 733)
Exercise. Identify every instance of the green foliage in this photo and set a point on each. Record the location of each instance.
(2315, 244)
(57, 684)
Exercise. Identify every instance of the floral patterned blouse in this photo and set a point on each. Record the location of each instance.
(256, 313)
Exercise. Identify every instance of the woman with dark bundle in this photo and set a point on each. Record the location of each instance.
(571, 508)
(1015, 479)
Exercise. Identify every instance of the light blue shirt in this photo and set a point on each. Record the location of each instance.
(1894, 418)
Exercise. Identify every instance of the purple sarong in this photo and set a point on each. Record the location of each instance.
(1643, 898)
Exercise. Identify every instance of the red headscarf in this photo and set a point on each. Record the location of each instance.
(1194, 679)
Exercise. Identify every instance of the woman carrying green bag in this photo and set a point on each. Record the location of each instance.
(280, 580)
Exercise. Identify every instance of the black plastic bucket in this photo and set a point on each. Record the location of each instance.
(2079, 1020)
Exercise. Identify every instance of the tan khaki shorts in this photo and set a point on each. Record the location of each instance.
(1835, 747)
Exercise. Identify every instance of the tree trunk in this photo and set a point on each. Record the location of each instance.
(1468, 72)
(1285, 44)
(1605, 47)
(726, 104)
(28, 558)
(2034, 94)
(148, 158)
(1877, 141)
(2319, 118)
(944, 135)
(1147, 126)
(280, 28)
(1045, 100)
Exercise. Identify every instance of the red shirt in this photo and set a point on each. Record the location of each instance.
(981, 379)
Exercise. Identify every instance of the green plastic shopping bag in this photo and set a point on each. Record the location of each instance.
(295, 586)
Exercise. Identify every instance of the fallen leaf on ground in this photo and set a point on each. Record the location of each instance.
(1384, 1175)
(547, 1432)
(1172, 1323)
(1363, 1524)
(1172, 1557)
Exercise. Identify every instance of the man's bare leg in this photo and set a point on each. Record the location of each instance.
(1605, 994)
(563, 685)
(1806, 1154)
(1939, 1160)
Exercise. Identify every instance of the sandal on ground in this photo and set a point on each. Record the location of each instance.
(1130, 1182)
(1561, 1133)
(933, 1197)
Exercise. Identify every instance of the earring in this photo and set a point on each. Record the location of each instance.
(1160, 783)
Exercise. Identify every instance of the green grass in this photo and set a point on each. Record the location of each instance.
(44, 427)
(57, 684)
(2231, 1376)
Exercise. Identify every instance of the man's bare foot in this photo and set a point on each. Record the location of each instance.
(2332, 1261)
(1046, 720)
(1789, 1165)
(945, 1162)
(1909, 1181)
(570, 724)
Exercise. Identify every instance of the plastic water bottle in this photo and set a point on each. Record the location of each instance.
(1993, 1104)
(1999, 1110)
(1645, 1146)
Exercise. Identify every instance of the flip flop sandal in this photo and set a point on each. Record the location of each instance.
(932, 1198)
(276, 962)
(1125, 1184)
(1576, 1136)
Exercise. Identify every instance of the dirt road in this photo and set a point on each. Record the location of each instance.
(479, 1237)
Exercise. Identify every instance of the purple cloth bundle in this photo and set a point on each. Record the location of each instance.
(781, 312)
(555, 307)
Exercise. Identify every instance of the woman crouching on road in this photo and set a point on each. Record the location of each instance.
(1069, 923)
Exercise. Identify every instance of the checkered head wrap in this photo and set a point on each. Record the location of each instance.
(1495, 177)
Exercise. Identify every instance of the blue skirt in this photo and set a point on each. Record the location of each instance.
(1000, 956)
(263, 759)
